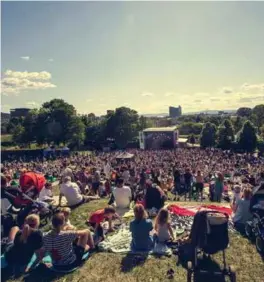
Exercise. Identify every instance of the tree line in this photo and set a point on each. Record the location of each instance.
(57, 122)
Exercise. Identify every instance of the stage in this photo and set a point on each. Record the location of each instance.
(158, 138)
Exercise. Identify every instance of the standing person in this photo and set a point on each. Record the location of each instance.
(83, 178)
(177, 183)
(140, 228)
(219, 187)
(107, 170)
(199, 184)
(96, 182)
(122, 194)
(188, 183)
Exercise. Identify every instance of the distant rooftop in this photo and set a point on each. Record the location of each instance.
(161, 129)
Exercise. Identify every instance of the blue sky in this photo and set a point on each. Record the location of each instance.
(101, 55)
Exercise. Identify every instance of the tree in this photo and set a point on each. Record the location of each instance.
(18, 134)
(261, 130)
(225, 135)
(244, 112)
(247, 137)
(29, 125)
(76, 132)
(57, 115)
(238, 122)
(208, 135)
(187, 128)
(257, 115)
(122, 126)
(142, 123)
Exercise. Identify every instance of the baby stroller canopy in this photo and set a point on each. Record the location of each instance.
(29, 179)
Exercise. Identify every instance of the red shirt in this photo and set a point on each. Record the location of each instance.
(97, 216)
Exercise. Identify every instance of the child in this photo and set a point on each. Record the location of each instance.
(45, 194)
(67, 226)
(237, 193)
(97, 218)
(140, 228)
(163, 228)
(101, 190)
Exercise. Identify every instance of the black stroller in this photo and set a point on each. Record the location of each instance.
(209, 235)
(255, 228)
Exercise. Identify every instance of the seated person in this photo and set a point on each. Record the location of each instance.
(45, 194)
(67, 226)
(241, 210)
(24, 243)
(60, 245)
(140, 228)
(122, 194)
(73, 193)
(155, 197)
(97, 218)
(163, 228)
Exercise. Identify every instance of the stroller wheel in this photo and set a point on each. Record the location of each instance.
(260, 244)
(248, 231)
(189, 271)
(232, 274)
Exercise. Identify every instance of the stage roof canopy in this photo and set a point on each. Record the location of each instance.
(160, 129)
(125, 156)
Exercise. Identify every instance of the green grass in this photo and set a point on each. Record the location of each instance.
(6, 138)
(108, 267)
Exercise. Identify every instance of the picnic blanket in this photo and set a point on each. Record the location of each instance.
(192, 210)
(120, 242)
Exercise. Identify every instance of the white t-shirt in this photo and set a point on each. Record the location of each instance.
(45, 194)
(72, 193)
(122, 197)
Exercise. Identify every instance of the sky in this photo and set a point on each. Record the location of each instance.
(143, 55)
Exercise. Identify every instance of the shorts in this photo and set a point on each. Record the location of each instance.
(199, 187)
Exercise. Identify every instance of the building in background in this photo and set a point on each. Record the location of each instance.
(175, 111)
(19, 112)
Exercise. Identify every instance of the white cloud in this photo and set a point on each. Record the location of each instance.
(147, 94)
(43, 75)
(247, 86)
(169, 94)
(32, 104)
(15, 82)
(26, 58)
(51, 60)
(89, 100)
(227, 90)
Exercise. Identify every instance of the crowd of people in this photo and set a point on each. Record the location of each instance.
(148, 178)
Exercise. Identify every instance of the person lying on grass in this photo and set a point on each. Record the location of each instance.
(97, 218)
(163, 230)
(61, 245)
(23, 243)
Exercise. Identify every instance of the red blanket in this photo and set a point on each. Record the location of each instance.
(192, 210)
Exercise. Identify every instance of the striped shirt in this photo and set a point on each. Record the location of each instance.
(59, 246)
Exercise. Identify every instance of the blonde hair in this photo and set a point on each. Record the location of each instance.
(66, 211)
(247, 193)
(163, 217)
(32, 220)
(140, 212)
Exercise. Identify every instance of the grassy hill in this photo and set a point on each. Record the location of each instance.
(108, 267)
